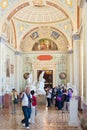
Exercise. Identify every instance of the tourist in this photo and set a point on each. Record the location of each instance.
(33, 106)
(26, 107)
(14, 100)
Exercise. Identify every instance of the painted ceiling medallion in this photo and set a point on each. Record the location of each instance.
(45, 57)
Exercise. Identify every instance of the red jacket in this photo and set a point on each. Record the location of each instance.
(34, 101)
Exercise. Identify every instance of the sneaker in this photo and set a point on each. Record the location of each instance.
(27, 127)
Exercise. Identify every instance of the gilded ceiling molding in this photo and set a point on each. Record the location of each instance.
(17, 9)
(14, 33)
(50, 22)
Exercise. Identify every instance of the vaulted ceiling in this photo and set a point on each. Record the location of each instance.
(30, 21)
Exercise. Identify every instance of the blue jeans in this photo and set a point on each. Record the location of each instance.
(27, 113)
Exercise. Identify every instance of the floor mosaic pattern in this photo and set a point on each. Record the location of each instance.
(46, 119)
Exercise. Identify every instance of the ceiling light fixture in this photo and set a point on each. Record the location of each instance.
(69, 2)
(22, 28)
(4, 4)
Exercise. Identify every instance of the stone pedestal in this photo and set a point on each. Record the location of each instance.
(6, 100)
(73, 116)
(41, 99)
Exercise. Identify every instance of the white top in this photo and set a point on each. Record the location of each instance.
(49, 93)
(25, 100)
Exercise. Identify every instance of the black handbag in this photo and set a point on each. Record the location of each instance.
(15, 101)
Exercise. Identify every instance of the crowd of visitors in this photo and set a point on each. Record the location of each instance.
(59, 96)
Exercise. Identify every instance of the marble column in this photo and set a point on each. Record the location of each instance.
(85, 51)
(76, 58)
(70, 66)
(18, 71)
(2, 74)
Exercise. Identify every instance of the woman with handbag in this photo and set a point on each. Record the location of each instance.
(14, 100)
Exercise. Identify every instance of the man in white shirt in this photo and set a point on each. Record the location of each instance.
(26, 107)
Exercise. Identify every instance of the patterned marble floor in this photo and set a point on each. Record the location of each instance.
(46, 119)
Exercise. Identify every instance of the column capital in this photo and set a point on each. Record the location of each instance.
(76, 36)
(81, 3)
(17, 53)
(70, 52)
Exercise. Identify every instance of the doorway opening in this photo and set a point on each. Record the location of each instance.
(48, 76)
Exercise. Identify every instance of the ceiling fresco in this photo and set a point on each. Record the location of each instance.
(28, 21)
(39, 37)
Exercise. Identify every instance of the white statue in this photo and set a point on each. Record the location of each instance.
(40, 85)
(30, 81)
